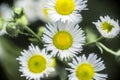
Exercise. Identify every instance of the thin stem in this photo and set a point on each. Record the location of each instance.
(34, 34)
(25, 33)
(94, 41)
(106, 48)
(99, 39)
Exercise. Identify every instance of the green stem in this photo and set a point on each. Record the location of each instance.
(34, 34)
(94, 41)
(25, 33)
(106, 48)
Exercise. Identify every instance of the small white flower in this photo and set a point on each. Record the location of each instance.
(108, 28)
(35, 63)
(83, 68)
(29, 8)
(5, 11)
(63, 39)
(66, 10)
(41, 11)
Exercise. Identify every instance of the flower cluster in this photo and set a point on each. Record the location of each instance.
(62, 38)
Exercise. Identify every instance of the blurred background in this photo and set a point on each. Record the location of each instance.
(10, 47)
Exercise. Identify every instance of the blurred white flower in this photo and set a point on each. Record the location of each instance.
(108, 27)
(5, 11)
(29, 8)
(42, 11)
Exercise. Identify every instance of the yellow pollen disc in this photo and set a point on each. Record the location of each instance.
(37, 64)
(62, 40)
(107, 26)
(65, 7)
(85, 72)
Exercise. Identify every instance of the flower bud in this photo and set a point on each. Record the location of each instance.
(40, 31)
(22, 21)
(18, 12)
(12, 29)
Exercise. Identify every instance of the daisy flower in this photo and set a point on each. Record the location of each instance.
(66, 10)
(83, 68)
(108, 27)
(29, 8)
(41, 11)
(63, 39)
(35, 63)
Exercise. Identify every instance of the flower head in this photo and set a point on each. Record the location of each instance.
(64, 40)
(66, 10)
(42, 11)
(35, 63)
(108, 28)
(83, 68)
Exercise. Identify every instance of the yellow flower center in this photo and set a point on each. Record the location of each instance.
(107, 26)
(64, 7)
(37, 64)
(62, 40)
(85, 72)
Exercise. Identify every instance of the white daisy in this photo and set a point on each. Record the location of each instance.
(66, 10)
(41, 11)
(35, 63)
(83, 68)
(108, 28)
(29, 8)
(63, 39)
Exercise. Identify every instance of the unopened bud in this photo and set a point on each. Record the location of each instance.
(22, 21)
(18, 12)
(40, 31)
(12, 30)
